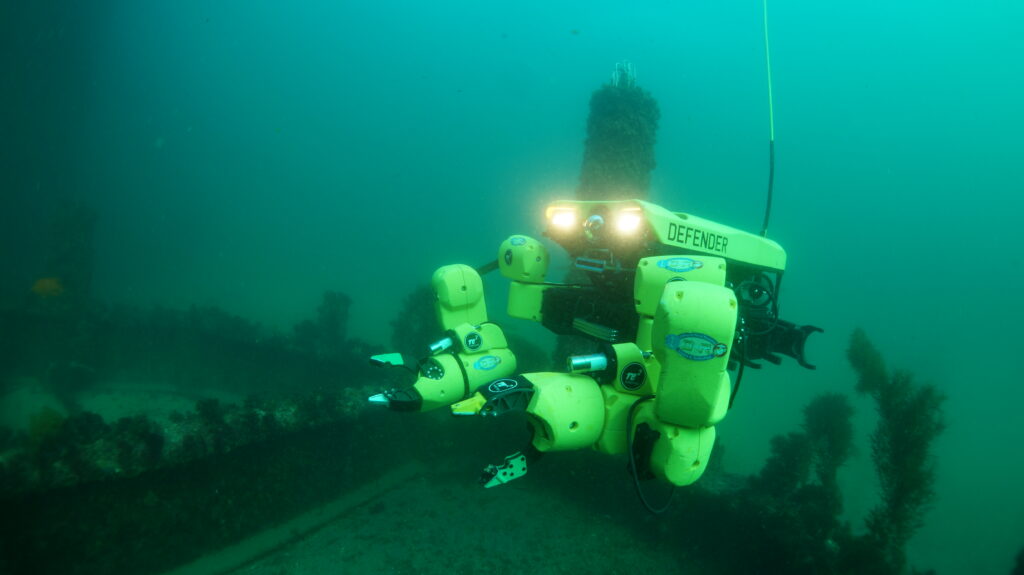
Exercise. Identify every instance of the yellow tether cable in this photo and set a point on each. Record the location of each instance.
(771, 124)
(768, 64)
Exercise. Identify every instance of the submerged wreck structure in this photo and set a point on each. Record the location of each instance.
(179, 431)
(224, 420)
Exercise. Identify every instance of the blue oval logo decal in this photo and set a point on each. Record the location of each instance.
(696, 346)
(680, 265)
(487, 363)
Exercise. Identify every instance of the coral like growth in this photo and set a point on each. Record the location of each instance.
(618, 157)
(910, 418)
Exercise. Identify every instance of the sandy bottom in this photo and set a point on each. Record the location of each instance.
(23, 398)
(26, 397)
(433, 520)
(116, 400)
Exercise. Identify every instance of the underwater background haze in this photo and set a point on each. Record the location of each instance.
(250, 155)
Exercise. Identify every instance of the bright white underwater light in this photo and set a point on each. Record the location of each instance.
(562, 218)
(628, 221)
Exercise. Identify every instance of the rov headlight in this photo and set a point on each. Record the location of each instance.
(628, 221)
(562, 218)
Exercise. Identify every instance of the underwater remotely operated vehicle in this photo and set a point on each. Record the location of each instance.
(671, 300)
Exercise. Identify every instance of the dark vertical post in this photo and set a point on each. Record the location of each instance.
(621, 131)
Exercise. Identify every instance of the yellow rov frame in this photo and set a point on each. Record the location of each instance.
(669, 300)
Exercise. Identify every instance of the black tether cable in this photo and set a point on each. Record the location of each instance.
(739, 374)
(487, 267)
(632, 461)
(771, 186)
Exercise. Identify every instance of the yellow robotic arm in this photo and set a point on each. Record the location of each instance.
(472, 353)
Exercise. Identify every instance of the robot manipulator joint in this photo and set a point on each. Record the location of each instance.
(452, 372)
(471, 353)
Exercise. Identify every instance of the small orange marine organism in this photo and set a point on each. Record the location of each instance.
(48, 287)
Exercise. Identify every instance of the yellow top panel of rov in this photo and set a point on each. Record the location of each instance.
(686, 232)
